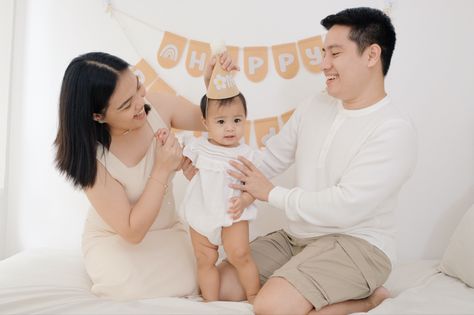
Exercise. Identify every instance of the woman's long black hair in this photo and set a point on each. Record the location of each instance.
(87, 86)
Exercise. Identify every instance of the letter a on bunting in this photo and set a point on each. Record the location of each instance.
(171, 50)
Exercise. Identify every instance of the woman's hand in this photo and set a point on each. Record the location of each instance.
(226, 62)
(252, 180)
(168, 152)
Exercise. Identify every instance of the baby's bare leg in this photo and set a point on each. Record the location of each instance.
(206, 256)
(235, 239)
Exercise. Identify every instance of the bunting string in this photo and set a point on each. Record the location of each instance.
(286, 57)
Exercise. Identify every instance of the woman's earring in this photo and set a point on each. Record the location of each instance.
(98, 118)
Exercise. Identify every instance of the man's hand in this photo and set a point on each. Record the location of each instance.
(252, 180)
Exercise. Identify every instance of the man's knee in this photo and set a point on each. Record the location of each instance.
(230, 288)
(263, 305)
(278, 296)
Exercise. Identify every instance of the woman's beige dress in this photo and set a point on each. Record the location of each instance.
(162, 264)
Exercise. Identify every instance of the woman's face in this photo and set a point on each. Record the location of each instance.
(126, 110)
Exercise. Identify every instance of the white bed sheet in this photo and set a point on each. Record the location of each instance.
(420, 288)
(46, 281)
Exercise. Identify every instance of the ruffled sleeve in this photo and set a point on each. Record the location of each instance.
(190, 146)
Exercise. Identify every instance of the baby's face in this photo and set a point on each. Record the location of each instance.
(225, 123)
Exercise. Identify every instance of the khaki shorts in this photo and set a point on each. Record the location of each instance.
(326, 269)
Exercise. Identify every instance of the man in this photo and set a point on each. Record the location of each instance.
(353, 151)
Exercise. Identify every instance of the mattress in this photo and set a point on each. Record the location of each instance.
(420, 288)
(46, 281)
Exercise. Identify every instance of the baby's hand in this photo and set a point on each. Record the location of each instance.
(236, 207)
(239, 203)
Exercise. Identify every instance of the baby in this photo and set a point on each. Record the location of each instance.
(209, 201)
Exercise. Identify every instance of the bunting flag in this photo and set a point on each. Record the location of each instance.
(255, 63)
(145, 72)
(285, 58)
(286, 116)
(310, 50)
(198, 55)
(171, 50)
(161, 86)
(264, 128)
(248, 125)
(233, 51)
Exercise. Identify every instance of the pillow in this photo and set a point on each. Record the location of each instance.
(458, 259)
(44, 267)
(410, 274)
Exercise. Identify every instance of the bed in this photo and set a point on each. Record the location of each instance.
(48, 281)
(54, 281)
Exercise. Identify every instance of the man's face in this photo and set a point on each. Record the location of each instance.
(346, 70)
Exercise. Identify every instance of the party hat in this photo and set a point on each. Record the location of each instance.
(222, 84)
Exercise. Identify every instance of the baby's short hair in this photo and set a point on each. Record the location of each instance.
(205, 100)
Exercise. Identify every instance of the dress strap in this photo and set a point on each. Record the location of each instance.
(101, 153)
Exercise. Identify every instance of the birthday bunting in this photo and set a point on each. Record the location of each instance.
(286, 59)
(264, 128)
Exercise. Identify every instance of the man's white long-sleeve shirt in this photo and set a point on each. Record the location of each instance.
(350, 167)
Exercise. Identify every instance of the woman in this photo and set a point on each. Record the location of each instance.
(117, 148)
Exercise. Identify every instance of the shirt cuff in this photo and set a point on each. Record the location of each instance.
(277, 197)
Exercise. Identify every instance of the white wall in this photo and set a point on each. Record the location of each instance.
(43, 209)
(6, 35)
(430, 77)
